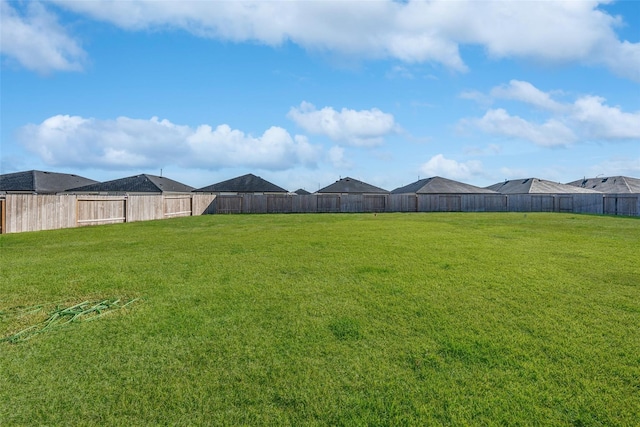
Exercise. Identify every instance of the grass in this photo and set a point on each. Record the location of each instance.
(394, 319)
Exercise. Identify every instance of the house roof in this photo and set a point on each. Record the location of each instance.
(41, 182)
(350, 185)
(609, 184)
(248, 183)
(536, 186)
(301, 192)
(143, 183)
(439, 185)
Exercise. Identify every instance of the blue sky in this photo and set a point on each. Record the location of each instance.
(303, 93)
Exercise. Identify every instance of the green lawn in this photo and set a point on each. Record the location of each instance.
(395, 319)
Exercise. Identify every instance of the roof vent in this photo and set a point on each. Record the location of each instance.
(605, 179)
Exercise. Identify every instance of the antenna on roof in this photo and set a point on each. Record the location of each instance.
(160, 171)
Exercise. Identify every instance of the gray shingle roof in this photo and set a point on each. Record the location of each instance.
(248, 183)
(609, 184)
(352, 186)
(439, 185)
(41, 182)
(536, 186)
(302, 192)
(136, 184)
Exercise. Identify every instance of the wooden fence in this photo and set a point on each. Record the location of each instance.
(611, 204)
(34, 212)
(29, 212)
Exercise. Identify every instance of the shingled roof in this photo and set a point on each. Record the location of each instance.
(143, 183)
(439, 185)
(609, 184)
(248, 183)
(536, 186)
(302, 192)
(352, 186)
(41, 182)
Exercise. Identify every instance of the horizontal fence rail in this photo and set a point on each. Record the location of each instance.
(32, 212)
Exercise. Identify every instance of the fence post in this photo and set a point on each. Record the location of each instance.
(3, 216)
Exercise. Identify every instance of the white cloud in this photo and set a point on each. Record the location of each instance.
(36, 41)
(528, 93)
(412, 31)
(133, 143)
(439, 165)
(588, 118)
(275, 149)
(364, 128)
(616, 166)
(550, 133)
(477, 96)
(337, 158)
(601, 121)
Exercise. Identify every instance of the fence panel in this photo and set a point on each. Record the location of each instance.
(144, 207)
(402, 203)
(564, 204)
(427, 203)
(255, 203)
(375, 203)
(351, 203)
(99, 210)
(328, 203)
(449, 203)
(228, 204)
(587, 203)
(618, 204)
(279, 203)
(305, 204)
(30, 212)
(495, 203)
(176, 206)
(540, 203)
(203, 203)
(520, 203)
